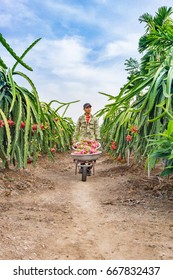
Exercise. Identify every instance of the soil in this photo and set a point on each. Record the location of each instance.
(48, 213)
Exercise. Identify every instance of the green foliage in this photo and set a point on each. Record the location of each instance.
(11, 51)
(146, 100)
(163, 149)
(28, 127)
(25, 52)
(132, 67)
(2, 64)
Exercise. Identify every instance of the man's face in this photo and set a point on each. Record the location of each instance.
(87, 110)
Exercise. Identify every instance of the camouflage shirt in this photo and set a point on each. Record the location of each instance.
(86, 130)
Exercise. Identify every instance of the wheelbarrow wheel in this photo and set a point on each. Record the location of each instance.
(84, 173)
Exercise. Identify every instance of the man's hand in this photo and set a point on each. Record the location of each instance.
(74, 144)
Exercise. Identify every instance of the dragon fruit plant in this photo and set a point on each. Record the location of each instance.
(28, 127)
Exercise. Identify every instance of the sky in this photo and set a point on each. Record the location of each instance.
(83, 48)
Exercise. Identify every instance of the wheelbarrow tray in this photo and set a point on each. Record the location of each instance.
(86, 157)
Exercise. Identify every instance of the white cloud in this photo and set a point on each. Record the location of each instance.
(68, 51)
(63, 68)
(101, 1)
(71, 76)
(125, 47)
(71, 11)
(63, 71)
(88, 14)
(16, 11)
(5, 20)
(20, 17)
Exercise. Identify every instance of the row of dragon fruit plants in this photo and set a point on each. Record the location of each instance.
(28, 127)
(139, 120)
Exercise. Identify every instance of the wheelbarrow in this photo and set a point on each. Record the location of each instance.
(85, 162)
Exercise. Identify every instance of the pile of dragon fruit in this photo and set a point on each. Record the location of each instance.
(87, 147)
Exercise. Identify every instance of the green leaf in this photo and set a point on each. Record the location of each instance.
(10, 50)
(25, 52)
(17, 126)
(167, 172)
(170, 128)
(2, 64)
(7, 132)
(13, 92)
(27, 128)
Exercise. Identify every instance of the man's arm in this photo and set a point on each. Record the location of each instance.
(77, 130)
(97, 130)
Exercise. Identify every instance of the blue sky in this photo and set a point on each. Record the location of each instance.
(83, 48)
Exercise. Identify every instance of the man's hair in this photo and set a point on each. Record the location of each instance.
(87, 105)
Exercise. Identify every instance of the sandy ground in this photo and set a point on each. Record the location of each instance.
(48, 213)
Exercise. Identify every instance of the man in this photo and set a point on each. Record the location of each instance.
(87, 126)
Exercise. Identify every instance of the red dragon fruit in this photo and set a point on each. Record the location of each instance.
(87, 147)
(1, 123)
(11, 122)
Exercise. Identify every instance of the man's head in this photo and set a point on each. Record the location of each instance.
(87, 108)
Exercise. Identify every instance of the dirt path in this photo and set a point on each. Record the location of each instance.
(49, 213)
